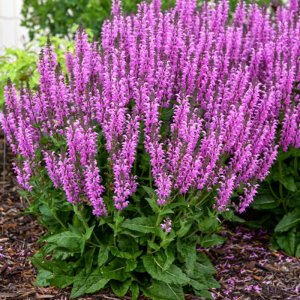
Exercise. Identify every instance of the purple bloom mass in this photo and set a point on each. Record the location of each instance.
(227, 83)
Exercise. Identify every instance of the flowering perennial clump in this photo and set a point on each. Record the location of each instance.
(202, 93)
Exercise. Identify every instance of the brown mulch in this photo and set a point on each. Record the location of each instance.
(247, 268)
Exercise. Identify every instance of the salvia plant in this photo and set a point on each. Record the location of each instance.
(129, 158)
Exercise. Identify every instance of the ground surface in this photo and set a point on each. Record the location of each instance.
(247, 269)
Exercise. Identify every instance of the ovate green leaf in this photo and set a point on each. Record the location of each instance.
(264, 201)
(289, 220)
(135, 291)
(69, 240)
(116, 270)
(88, 283)
(189, 255)
(289, 183)
(103, 256)
(120, 288)
(164, 291)
(141, 224)
(172, 275)
(211, 240)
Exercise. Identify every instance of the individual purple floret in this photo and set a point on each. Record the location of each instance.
(166, 225)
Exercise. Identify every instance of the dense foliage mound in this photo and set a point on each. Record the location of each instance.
(169, 112)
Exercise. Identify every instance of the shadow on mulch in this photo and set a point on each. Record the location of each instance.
(247, 269)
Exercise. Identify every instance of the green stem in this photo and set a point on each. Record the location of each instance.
(81, 218)
(93, 244)
(281, 177)
(86, 226)
(150, 177)
(272, 191)
(59, 221)
(203, 199)
(56, 217)
(116, 219)
(192, 234)
(282, 200)
(158, 220)
(296, 165)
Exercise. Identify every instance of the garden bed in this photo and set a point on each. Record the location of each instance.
(247, 268)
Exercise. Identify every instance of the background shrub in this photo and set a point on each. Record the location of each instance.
(57, 17)
(19, 65)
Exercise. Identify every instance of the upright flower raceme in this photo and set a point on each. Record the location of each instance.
(200, 94)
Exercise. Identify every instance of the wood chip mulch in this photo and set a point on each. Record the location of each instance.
(247, 268)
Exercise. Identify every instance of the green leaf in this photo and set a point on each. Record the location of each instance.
(264, 201)
(88, 283)
(156, 269)
(88, 259)
(69, 240)
(61, 281)
(204, 293)
(189, 255)
(297, 254)
(166, 211)
(97, 286)
(204, 282)
(211, 240)
(88, 233)
(103, 256)
(153, 204)
(167, 240)
(127, 255)
(167, 257)
(153, 245)
(184, 228)
(204, 265)
(289, 183)
(293, 201)
(164, 291)
(141, 224)
(131, 265)
(135, 291)
(43, 277)
(209, 224)
(287, 242)
(288, 221)
(120, 288)
(53, 266)
(199, 284)
(116, 270)
(149, 191)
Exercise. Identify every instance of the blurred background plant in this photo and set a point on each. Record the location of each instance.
(20, 64)
(57, 17)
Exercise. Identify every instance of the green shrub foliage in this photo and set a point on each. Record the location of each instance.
(277, 205)
(128, 251)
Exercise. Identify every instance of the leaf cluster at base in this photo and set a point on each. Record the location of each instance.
(128, 251)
